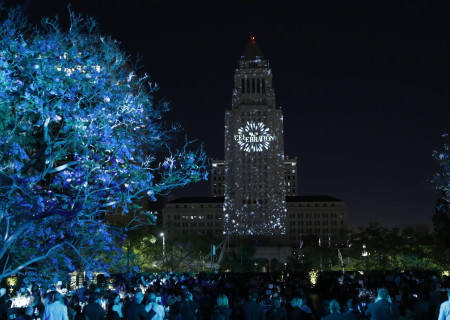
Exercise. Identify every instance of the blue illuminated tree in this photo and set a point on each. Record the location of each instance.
(81, 138)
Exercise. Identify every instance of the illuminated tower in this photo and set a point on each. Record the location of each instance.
(254, 195)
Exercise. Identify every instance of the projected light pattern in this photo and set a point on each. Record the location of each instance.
(253, 137)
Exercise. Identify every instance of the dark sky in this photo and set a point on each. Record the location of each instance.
(364, 87)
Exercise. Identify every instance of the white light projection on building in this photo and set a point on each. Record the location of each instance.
(254, 195)
(253, 137)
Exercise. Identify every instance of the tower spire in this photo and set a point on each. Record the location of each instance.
(252, 51)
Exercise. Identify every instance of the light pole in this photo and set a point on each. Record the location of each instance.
(164, 249)
(164, 244)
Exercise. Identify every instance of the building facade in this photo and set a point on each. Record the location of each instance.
(217, 177)
(254, 193)
(254, 190)
(323, 217)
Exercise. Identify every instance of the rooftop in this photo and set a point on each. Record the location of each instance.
(320, 198)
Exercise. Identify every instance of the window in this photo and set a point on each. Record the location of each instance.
(258, 86)
(263, 85)
(243, 86)
(248, 85)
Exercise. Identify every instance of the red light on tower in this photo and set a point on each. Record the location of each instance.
(252, 38)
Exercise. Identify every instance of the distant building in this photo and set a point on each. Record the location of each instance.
(322, 216)
(254, 190)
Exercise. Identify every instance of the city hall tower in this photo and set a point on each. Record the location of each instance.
(254, 195)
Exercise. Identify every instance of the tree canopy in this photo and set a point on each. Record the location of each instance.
(81, 137)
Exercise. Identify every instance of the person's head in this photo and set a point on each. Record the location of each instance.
(151, 297)
(139, 297)
(56, 296)
(74, 299)
(296, 302)
(29, 311)
(352, 304)
(383, 293)
(186, 294)
(253, 294)
(5, 299)
(93, 298)
(222, 300)
(171, 299)
(276, 302)
(334, 306)
(113, 298)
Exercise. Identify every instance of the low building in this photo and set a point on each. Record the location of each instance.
(322, 216)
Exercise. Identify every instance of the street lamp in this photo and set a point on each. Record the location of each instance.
(164, 244)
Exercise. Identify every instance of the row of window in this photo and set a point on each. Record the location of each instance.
(253, 64)
(313, 231)
(200, 224)
(203, 217)
(249, 101)
(254, 113)
(253, 85)
(315, 215)
(201, 206)
(213, 231)
(311, 205)
(316, 223)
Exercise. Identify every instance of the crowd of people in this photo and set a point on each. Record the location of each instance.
(227, 296)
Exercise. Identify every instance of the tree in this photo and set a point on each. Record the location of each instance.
(142, 252)
(81, 137)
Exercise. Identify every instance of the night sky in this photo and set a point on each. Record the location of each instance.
(364, 88)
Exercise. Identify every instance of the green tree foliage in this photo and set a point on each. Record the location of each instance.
(371, 248)
(388, 249)
(142, 252)
(184, 251)
(81, 137)
(146, 252)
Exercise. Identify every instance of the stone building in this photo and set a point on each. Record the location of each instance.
(254, 190)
